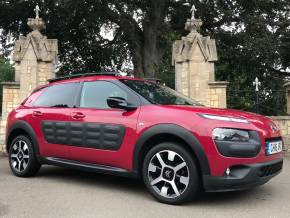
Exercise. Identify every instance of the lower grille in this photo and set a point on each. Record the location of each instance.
(271, 169)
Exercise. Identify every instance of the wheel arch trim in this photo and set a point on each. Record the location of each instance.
(23, 126)
(177, 131)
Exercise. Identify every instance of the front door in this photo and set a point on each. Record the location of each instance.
(104, 135)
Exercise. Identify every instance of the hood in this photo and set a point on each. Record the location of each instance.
(252, 117)
(260, 123)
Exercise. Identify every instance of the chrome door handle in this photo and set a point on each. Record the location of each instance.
(78, 115)
(37, 113)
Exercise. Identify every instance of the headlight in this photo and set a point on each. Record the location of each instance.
(223, 134)
(230, 119)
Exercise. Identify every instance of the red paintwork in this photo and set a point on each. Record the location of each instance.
(148, 115)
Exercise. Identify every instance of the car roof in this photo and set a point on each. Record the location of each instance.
(88, 78)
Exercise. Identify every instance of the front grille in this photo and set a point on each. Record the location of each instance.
(271, 169)
(274, 139)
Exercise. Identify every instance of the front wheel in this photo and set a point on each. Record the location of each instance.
(170, 173)
(22, 159)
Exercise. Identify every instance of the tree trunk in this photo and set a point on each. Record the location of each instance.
(147, 59)
(146, 56)
(151, 58)
(143, 42)
(137, 60)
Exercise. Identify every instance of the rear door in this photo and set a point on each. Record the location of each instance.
(103, 135)
(50, 118)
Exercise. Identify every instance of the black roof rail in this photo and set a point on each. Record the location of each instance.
(83, 75)
(158, 81)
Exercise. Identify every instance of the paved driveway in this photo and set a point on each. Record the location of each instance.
(58, 192)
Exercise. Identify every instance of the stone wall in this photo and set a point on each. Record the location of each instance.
(10, 97)
(284, 124)
(11, 93)
(217, 95)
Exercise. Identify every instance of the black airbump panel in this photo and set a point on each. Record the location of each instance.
(90, 135)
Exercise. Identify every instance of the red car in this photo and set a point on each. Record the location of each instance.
(138, 128)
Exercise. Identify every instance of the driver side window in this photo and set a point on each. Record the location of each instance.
(95, 94)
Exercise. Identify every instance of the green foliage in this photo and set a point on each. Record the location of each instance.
(253, 39)
(165, 71)
(254, 46)
(6, 70)
(6, 74)
(77, 26)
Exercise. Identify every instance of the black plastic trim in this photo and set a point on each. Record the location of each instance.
(273, 139)
(78, 95)
(177, 131)
(84, 134)
(242, 177)
(22, 125)
(95, 168)
(83, 75)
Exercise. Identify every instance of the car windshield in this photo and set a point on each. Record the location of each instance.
(158, 94)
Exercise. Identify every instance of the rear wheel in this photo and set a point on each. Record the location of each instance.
(170, 173)
(22, 159)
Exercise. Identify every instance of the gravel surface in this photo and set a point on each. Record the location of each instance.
(57, 192)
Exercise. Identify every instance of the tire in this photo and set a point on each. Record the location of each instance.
(22, 158)
(170, 174)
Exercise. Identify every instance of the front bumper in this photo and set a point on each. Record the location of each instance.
(243, 176)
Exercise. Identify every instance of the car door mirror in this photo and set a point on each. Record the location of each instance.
(121, 103)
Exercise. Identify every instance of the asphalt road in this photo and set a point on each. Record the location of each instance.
(57, 192)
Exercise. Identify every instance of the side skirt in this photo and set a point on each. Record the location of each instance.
(95, 168)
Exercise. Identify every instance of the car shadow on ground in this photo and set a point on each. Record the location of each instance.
(89, 179)
(136, 186)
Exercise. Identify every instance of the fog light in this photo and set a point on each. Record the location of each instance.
(228, 171)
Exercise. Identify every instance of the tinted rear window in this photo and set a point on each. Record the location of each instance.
(62, 95)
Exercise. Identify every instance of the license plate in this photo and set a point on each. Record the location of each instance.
(274, 147)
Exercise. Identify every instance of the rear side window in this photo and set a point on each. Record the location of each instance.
(62, 95)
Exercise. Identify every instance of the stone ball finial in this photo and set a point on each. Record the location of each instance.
(36, 24)
(193, 26)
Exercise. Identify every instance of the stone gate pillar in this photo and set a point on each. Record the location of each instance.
(35, 58)
(193, 57)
